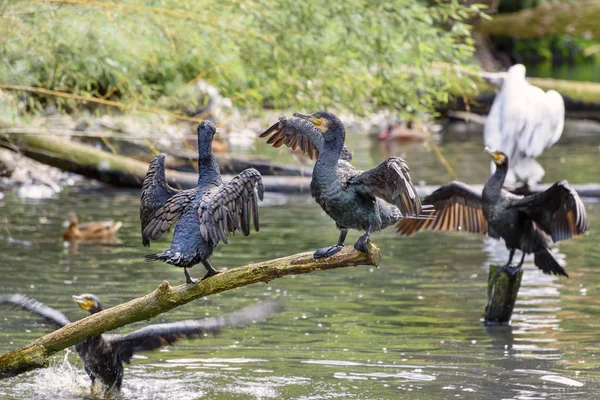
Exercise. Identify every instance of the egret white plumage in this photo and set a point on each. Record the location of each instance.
(523, 121)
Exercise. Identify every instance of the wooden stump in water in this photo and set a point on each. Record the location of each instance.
(502, 295)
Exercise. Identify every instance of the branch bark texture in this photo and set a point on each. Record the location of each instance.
(166, 297)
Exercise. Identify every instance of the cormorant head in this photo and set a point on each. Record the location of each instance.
(498, 157)
(206, 132)
(88, 302)
(325, 122)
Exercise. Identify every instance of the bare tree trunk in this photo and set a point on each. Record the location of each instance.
(166, 297)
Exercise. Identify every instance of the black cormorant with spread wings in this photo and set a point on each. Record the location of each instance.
(367, 201)
(527, 223)
(103, 355)
(205, 213)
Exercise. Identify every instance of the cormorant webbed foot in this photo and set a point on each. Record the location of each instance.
(210, 270)
(361, 243)
(511, 271)
(188, 278)
(328, 251)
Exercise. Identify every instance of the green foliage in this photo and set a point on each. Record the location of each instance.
(264, 53)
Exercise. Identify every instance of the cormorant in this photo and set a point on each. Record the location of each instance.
(368, 201)
(96, 230)
(103, 355)
(523, 121)
(527, 223)
(206, 213)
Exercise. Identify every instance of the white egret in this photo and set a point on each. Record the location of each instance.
(523, 121)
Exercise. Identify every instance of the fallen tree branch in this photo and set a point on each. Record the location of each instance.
(166, 297)
(112, 168)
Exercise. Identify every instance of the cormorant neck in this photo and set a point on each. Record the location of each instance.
(333, 144)
(496, 182)
(208, 169)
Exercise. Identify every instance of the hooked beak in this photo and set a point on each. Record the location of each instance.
(489, 151)
(307, 117)
(81, 301)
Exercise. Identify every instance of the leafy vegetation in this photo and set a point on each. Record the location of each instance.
(263, 53)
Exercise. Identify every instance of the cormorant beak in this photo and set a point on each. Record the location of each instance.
(83, 302)
(309, 117)
(489, 151)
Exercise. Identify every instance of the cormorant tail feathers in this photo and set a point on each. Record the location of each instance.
(548, 264)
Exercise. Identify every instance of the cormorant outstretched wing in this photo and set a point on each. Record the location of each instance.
(155, 336)
(457, 207)
(230, 207)
(295, 133)
(48, 313)
(558, 211)
(161, 205)
(391, 181)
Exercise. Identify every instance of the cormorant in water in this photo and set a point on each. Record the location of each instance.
(368, 201)
(103, 355)
(527, 223)
(206, 213)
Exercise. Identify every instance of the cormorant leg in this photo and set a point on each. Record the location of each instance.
(512, 271)
(188, 278)
(329, 251)
(210, 269)
(361, 243)
(506, 267)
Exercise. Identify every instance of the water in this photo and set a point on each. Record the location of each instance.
(411, 329)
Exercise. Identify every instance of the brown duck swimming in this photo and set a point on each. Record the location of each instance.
(97, 230)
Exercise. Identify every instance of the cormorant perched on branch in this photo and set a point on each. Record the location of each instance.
(368, 201)
(103, 355)
(206, 213)
(528, 223)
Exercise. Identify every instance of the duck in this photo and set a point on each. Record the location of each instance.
(96, 230)
(530, 223)
(367, 201)
(103, 355)
(204, 215)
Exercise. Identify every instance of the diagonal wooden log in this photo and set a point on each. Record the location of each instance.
(166, 297)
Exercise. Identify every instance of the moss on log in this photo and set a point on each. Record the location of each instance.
(502, 294)
(38, 144)
(578, 18)
(167, 297)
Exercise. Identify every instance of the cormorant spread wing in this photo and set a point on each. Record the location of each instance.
(391, 181)
(457, 207)
(230, 207)
(48, 313)
(155, 336)
(558, 211)
(156, 192)
(167, 215)
(297, 133)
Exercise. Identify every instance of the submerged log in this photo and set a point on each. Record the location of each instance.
(502, 294)
(578, 18)
(166, 297)
(114, 169)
